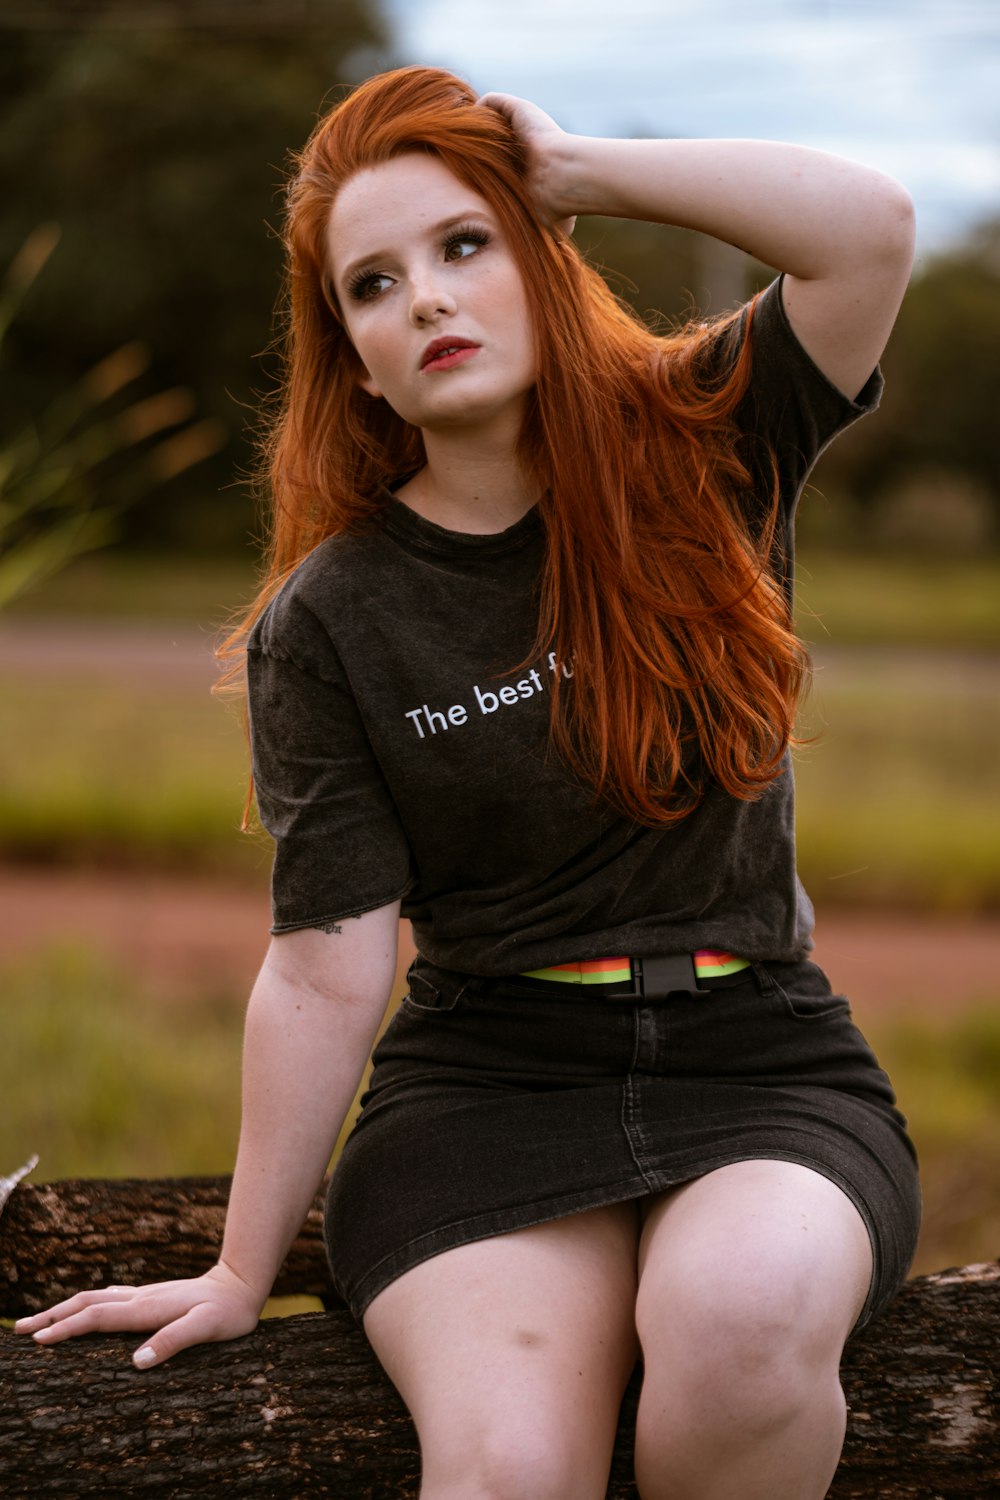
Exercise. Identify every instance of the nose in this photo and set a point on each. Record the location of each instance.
(429, 299)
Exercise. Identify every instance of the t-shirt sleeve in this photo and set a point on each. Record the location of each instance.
(791, 411)
(339, 847)
(788, 414)
(790, 401)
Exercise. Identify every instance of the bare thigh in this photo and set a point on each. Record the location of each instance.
(771, 1240)
(512, 1354)
(751, 1279)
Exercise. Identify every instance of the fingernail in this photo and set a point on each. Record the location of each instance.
(144, 1357)
(21, 1323)
(43, 1333)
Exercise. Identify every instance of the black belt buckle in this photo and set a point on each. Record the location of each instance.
(657, 977)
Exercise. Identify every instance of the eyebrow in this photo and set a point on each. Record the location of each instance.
(362, 262)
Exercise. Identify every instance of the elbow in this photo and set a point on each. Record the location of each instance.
(893, 243)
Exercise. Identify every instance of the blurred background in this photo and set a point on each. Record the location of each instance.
(143, 148)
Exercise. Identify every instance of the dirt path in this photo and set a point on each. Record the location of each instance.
(197, 934)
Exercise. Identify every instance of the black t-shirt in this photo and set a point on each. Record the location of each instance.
(395, 755)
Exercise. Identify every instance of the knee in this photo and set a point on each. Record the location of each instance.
(752, 1360)
(504, 1465)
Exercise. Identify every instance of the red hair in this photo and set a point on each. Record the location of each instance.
(685, 664)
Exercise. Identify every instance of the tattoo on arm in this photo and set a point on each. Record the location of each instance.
(332, 927)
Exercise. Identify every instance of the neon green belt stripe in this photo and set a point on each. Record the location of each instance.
(707, 965)
(717, 965)
(574, 976)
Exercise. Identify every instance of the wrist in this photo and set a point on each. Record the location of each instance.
(565, 182)
(573, 189)
(255, 1288)
(589, 177)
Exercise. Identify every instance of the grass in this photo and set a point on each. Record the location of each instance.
(102, 1080)
(899, 797)
(946, 1072)
(136, 773)
(909, 600)
(122, 585)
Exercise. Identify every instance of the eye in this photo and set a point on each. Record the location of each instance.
(365, 286)
(465, 241)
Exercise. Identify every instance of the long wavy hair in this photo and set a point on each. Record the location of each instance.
(655, 585)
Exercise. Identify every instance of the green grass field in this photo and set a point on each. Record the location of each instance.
(899, 794)
(124, 773)
(850, 599)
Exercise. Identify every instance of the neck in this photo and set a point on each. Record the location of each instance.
(468, 485)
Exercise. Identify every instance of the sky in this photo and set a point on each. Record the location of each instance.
(911, 86)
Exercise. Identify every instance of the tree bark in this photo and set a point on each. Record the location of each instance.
(58, 1238)
(301, 1408)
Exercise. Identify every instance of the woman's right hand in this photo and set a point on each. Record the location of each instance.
(547, 147)
(201, 1309)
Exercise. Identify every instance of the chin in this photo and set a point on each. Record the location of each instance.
(467, 412)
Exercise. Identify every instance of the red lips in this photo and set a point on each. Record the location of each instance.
(444, 352)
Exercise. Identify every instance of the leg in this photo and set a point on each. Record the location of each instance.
(512, 1355)
(751, 1279)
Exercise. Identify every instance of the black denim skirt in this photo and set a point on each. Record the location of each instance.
(494, 1106)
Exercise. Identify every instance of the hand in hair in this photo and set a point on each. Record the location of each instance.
(544, 144)
(841, 232)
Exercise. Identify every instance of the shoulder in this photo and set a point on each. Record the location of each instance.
(776, 348)
(299, 623)
(777, 358)
(789, 394)
(785, 395)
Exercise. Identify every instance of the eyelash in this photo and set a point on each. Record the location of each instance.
(466, 233)
(358, 288)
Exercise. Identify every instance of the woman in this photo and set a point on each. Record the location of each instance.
(523, 668)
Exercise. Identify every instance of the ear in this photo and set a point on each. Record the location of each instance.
(367, 384)
(363, 378)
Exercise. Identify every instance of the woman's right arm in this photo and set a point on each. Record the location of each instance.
(311, 1024)
(841, 231)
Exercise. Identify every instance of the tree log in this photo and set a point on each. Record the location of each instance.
(300, 1407)
(58, 1238)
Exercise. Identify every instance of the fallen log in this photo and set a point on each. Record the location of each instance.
(58, 1238)
(300, 1407)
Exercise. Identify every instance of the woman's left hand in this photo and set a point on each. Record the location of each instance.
(545, 145)
(212, 1308)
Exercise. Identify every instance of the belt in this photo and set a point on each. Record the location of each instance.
(647, 978)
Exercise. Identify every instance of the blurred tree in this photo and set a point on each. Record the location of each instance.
(156, 134)
(937, 433)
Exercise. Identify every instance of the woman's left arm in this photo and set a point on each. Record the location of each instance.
(841, 232)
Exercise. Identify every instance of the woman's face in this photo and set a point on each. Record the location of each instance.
(432, 298)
